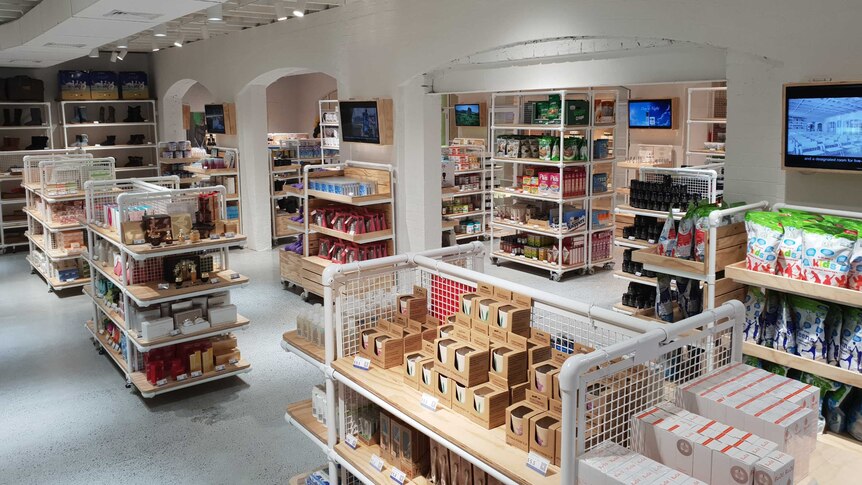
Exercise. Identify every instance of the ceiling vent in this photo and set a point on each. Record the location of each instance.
(64, 46)
(139, 16)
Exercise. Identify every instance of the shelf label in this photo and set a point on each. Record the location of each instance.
(161, 382)
(398, 476)
(361, 363)
(637, 273)
(537, 463)
(377, 463)
(233, 361)
(235, 276)
(219, 367)
(631, 238)
(651, 241)
(429, 402)
(197, 373)
(351, 441)
(138, 241)
(175, 332)
(182, 377)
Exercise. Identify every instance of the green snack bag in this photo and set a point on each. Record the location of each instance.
(764, 234)
(826, 253)
(545, 147)
(570, 148)
(823, 383)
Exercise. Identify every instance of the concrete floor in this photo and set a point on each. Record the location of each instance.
(67, 417)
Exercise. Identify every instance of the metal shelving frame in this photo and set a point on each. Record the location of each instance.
(330, 144)
(482, 192)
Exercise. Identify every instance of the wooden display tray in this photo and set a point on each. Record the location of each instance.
(115, 355)
(211, 171)
(842, 296)
(448, 224)
(637, 279)
(536, 263)
(730, 249)
(346, 199)
(822, 369)
(55, 283)
(170, 161)
(306, 347)
(537, 229)
(115, 317)
(360, 458)
(51, 226)
(356, 238)
(300, 412)
(147, 250)
(39, 241)
(487, 445)
(139, 379)
(212, 331)
(312, 272)
(150, 292)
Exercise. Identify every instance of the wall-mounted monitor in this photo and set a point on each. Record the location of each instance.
(366, 121)
(470, 114)
(652, 114)
(215, 118)
(823, 127)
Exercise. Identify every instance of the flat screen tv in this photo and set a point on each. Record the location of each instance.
(360, 121)
(468, 114)
(823, 126)
(653, 114)
(214, 114)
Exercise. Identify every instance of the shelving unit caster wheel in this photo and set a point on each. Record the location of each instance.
(50, 290)
(33, 271)
(290, 285)
(591, 271)
(128, 383)
(556, 276)
(609, 266)
(495, 261)
(304, 296)
(101, 350)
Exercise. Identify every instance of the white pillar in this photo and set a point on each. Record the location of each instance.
(254, 167)
(417, 143)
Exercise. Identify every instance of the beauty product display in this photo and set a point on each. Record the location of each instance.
(660, 196)
(544, 248)
(190, 358)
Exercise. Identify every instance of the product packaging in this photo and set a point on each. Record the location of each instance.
(764, 235)
(809, 320)
(785, 331)
(850, 355)
(667, 239)
(685, 236)
(664, 301)
(834, 324)
(755, 304)
(826, 254)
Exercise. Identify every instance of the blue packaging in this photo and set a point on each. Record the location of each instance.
(74, 85)
(104, 85)
(134, 85)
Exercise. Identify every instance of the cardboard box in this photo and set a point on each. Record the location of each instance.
(502, 294)
(536, 352)
(541, 377)
(466, 303)
(518, 392)
(74, 85)
(222, 315)
(384, 349)
(776, 469)
(540, 337)
(543, 435)
(156, 328)
(443, 388)
(412, 306)
(225, 358)
(368, 425)
(479, 476)
(461, 333)
(223, 343)
(480, 326)
(134, 85)
(485, 289)
(537, 399)
(463, 320)
(522, 300)
(426, 376)
(518, 418)
(443, 353)
(483, 312)
(512, 319)
(104, 85)
(508, 366)
(468, 365)
(488, 405)
(411, 339)
(207, 361)
(411, 370)
(479, 339)
(439, 464)
(394, 440)
(385, 436)
(461, 398)
(195, 361)
(413, 458)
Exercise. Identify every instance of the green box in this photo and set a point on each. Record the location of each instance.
(577, 112)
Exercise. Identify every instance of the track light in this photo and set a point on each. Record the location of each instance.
(205, 32)
(123, 44)
(179, 41)
(114, 56)
(155, 46)
(161, 30)
(299, 11)
(214, 13)
(122, 54)
(280, 12)
(94, 53)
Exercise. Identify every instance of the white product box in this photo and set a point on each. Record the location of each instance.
(732, 466)
(153, 329)
(139, 315)
(195, 327)
(702, 454)
(594, 466)
(220, 315)
(218, 299)
(676, 448)
(759, 447)
(181, 306)
(775, 469)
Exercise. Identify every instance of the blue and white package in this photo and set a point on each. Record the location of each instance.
(809, 320)
(755, 304)
(851, 339)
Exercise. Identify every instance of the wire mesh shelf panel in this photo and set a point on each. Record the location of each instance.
(700, 182)
(173, 202)
(31, 172)
(67, 176)
(74, 240)
(101, 195)
(153, 269)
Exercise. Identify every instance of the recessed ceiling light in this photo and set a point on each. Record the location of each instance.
(94, 53)
(299, 11)
(155, 47)
(179, 41)
(280, 12)
(122, 54)
(161, 30)
(214, 13)
(123, 44)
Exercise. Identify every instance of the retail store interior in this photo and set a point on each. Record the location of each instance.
(449, 243)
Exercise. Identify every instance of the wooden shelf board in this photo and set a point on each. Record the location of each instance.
(538, 161)
(115, 317)
(448, 224)
(536, 263)
(53, 226)
(842, 296)
(487, 445)
(301, 413)
(451, 194)
(39, 241)
(360, 458)
(822, 369)
(310, 349)
(514, 193)
(835, 459)
(464, 214)
(172, 161)
(627, 209)
(115, 355)
(211, 171)
(707, 152)
(212, 331)
(56, 283)
(356, 238)
(538, 230)
(139, 379)
(286, 169)
(346, 199)
(149, 292)
(148, 250)
(638, 279)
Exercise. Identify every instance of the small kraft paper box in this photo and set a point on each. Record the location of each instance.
(461, 398)
(480, 339)
(428, 338)
(509, 319)
(414, 457)
(74, 85)
(134, 85)
(543, 435)
(536, 352)
(426, 376)
(443, 388)
(542, 377)
(385, 436)
(443, 353)
(463, 320)
(537, 399)
(518, 418)
(104, 85)
(508, 366)
(469, 365)
(460, 333)
(411, 339)
(394, 440)
(482, 316)
(388, 350)
(412, 306)
(518, 392)
(438, 471)
(467, 303)
(413, 368)
(488, 406)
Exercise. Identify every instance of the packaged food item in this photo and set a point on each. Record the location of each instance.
(690, 297)
(834, 323)
(545, 147)
(685, 236)
(664, 299)
(805, 215)
(701, 231)
(836, 401)
(789, 263)
(755, 304)
(826, 254)
(809, 320)
(667, 238)
(854, 276)
(764, 234)
(570, 148)
(785, 333)
(555, 149)
(850, 355)
(769, 323)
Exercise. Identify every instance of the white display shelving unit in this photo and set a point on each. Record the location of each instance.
(227, 177)
(98, 132)
(136, 271)
(603, 124)
(703, 115)
(330, 131)
(468, 187)
(282, 225)
(52, 183)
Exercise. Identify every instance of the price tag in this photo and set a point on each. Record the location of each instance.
(197, 373)
(637, 273)
(429, 402)
(631, 238)
(651, 241)
(219, 367)
(537, 463)
(161, 382)
(164, 286)
(235, 276)
(182, 377)
(214, 237)
(175, 332)
(351, 441)
(398, 475)
(377, 463)
(361, 363)
(233, 361)
(215, 281)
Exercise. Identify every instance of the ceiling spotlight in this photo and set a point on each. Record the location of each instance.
(179, 41)
(94, 53)
(123, 44)
(114, 56)
(122, 54)
(161, 30)
(155, 47)
(205, 32)
(280, 12)
(299, 11)
(214, 13)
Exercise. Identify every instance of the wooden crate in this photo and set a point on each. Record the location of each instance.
(730, 248)
(726, 289)
(312, 274)
(290, 265)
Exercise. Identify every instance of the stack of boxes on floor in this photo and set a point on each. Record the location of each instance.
(190, 358)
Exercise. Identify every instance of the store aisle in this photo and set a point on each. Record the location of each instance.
(73, 421)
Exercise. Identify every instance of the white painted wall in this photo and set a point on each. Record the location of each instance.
(197, 97)
(292, 102)
(376, 46)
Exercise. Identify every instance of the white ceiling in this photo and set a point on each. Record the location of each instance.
(36, 33)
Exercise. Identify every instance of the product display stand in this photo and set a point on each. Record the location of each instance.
(229, 177)
(340, 181)
(54, 186)
(701, 149)
(464, 190)
(124, 128)
(286, 161)
(178, 166)
(574, 197)
(330, 131)
(133, 298)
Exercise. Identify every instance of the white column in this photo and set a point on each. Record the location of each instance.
(417, 142)
(254, 167)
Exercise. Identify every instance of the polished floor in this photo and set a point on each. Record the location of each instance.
(66, 416)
